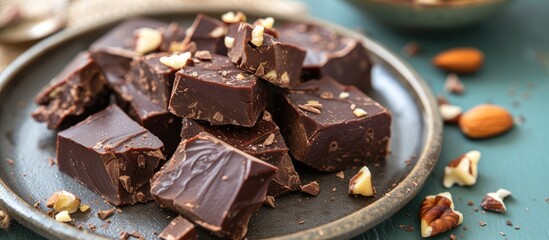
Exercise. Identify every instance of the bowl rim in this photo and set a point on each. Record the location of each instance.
(437, 4)
(348, 226)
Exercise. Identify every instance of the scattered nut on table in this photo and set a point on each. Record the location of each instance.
(463, 170)
(459, 60)
(493, 201)
(450, 113)
(63, 201)
(485, 120)
(63, 216)
(437, 214)
(361, 183)
(147, 40)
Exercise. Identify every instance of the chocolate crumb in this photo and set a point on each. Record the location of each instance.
(301, 222)
(401, 226)
(502, 233)
(441, 99)
(465, 228)
(92, 227)
(332, 199)
(51, 161)
(509, 223)
(453, 84)
(453, 236)
(124, 235)
(517, 228)
(80, 226)
(36, 205)
(334, 189)
(340, 175)
(483, 212)
(411, 49)
(269, 201)
(203, 55)
(482, 224)
(10, 161)
(470, 203)
(409, 228)
(475, 209)
(104, 214)
(311, 188)
(136, 234)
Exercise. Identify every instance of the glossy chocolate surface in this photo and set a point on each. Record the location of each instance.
(218, 92)
(179, 229)
(275, 61)
(262, 141)
(76, 92)
(208, 34)
(328, 54)
(111, 155)
(114, 50)
(152, 116)
(213, 184)
(332, 137)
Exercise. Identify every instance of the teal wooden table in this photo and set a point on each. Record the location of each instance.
(516, 76)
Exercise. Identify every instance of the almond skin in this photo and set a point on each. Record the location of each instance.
(485, 120)
(459, 60)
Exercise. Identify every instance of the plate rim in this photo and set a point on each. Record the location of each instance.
(345, 227)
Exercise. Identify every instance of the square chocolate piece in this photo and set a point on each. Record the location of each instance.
(152, 78)
(262, 141)
(332, 127)
(274, 60)
(213, 185)
(208, 34)
(111, 155)
(78, 91)
(114, 50)
(152, 116)
(329, 54)
(218, 92)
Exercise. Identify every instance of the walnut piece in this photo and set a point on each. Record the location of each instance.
(63, 201)
(147, 40)
(462, 170)
(267, 23)
(494, 201)
(63, 216)
(232, 17)
(176, 61)
(450, 113)
(437, 214)
(257, 35)
(229, 42)
(361, 183)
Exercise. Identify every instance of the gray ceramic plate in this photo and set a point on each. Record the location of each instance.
(417, 139)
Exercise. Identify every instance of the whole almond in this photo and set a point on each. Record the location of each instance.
(459, 60)
(485, 120)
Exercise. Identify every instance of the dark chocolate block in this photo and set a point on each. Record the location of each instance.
(262, 141)
(332, 127)
(111, 155)
(208, 34)
(329, 54)
(179, 229)
(152, 78)
(275, 61)
(75, 93)
(152, 116)
(114, 50)
(213, 185)
(218, 92)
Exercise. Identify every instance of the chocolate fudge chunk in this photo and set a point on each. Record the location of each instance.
(111, 155)
(75, 93)
(262, 141)
(329, 54)
(179, 229)
(267, 57)
(218, 92)
(152, 116)
(114, 50)
(331, 127)
(208, 34)
(213, 185)
(152, 78)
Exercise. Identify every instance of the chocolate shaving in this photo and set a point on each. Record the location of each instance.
(269, 201)
(311, 188)
(104, 214)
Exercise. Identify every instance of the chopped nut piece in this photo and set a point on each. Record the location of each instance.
(327, 95)
(309, 108)
(450, 113)
(343, 95)
(361, 183)
(229, 42)
(311, 188)
(453, 84)
(482, 224)
(462, 170)
(313, 103)
(437, 214)
(63, 216)
(267, 23)
(63, 201)
(104, 214)
(203, 55)
(359, 112)
(176, 61)
(84, 208)
(147, 40)
(494, 201)
(5, 219)
(257, 35)
(232, 17)
(269, 140)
